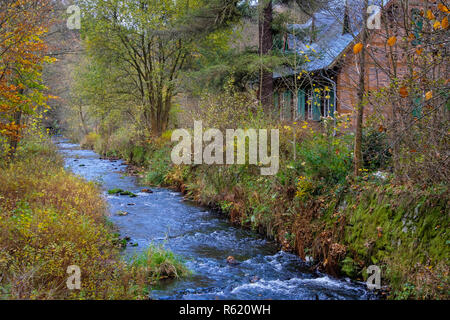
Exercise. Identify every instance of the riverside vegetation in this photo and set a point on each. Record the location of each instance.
(313, 206)
(341, 200)
(51, 219)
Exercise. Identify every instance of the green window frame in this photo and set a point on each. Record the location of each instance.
(316, 106)
(417, 19)
(417, 110)
(330, 104)
(287, 103)
(301, 103)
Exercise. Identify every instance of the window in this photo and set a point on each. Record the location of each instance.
(328, 102)
(286, 106)
(417, 25)
(310, 100)
(316, 104)
(417, 107)
(301, 104)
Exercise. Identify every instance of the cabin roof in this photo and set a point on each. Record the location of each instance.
(330, 41)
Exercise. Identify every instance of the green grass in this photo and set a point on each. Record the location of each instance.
(160, 263)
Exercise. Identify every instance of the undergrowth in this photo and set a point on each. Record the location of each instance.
(51, 219)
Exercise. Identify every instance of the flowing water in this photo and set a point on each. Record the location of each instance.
(204, 239)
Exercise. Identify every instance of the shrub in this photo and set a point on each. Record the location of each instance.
(375, 146)
(160, 165)
(90, 140)
(325, 157)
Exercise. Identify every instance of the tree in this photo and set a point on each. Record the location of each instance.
(22, 53)
(265, 36)
(358, 158)
(152, 41)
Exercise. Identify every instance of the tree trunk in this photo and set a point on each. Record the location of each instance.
(14, 140)
(265, 45)
(83, 121)
(358, 161)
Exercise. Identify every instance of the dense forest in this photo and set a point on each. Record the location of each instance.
(360, 110)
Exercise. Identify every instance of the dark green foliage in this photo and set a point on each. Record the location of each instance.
(376, 154)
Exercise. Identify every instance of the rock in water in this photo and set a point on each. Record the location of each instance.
(122, 213)
(146, 191)
(232, 260)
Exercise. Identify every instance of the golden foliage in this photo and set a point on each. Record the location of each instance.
(357, 48)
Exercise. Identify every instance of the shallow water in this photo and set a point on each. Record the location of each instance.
(204, 239)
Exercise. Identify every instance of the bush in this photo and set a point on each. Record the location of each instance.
(325, 158)
(159, 263)
(375, 146)
(160, 165)
(90, 140)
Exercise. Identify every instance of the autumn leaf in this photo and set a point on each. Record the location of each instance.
(391, 41)
(444, 23)
(419, 51)
(442, 8)
(430, 15)
(428, 95)
(437, 25)
(403, 92)
(357, 48)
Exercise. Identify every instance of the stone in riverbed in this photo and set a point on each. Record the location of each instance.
(122, 213)
(146, 191)
(231, 260)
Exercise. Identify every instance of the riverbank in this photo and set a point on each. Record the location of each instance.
(51, 219)
(227, 261)
(311, 208)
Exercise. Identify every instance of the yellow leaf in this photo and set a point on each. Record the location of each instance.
(430, 15)
(391, 41)
(428, 95)
(357, 48)
(437, 25)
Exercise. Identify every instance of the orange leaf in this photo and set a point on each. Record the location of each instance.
(430, 15)
(357, 48)
(391, 41)
(444, 23)
(403, 92)
(428, 95)
(419, 51)
(442, 8)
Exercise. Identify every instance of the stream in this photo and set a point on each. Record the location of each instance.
(204, 239)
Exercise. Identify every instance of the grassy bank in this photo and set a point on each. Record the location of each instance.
(314, 208)
(51, 219)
